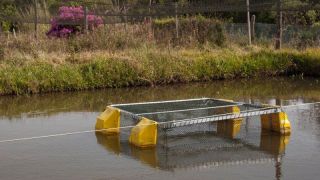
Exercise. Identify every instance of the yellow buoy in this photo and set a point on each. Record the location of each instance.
(229, 128)
(144, 134)
(109, 121)
(277, 122)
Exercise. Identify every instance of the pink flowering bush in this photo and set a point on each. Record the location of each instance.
(70, 20)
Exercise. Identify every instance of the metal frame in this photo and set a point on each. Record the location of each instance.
(256, 111)
(219, 117)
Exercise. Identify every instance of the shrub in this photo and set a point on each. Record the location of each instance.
(1, 52)
(71, 20)
(198, 28)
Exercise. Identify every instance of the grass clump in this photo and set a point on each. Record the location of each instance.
(151, 66)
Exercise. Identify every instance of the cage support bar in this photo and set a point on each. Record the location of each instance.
(183, 110)
(186, 122)
(159, 102)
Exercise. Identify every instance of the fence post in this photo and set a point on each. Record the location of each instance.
(279, 25)
(0, 29)
(125, 18)
(150, 18)
(85, 30)
(14, 33)
(35, 19)
(248, 21)
(177, 21)
(253, 25)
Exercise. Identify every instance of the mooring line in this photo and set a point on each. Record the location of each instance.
(70, 133)
(125, 127)
(46, 111)
(45, 136)
(101, 130)
(304, 104)
(60, 134)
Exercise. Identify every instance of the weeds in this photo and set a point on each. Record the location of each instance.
(150, 66)
(114, 56)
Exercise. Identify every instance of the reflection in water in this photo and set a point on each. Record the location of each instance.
(202, 150)
(252, 90)
(80, 157)
(274, 145)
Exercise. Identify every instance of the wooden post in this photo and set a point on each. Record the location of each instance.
(150, 34)
(86, 27)
(14, 33)
(125, 18)
(279, 25)
(177, 20)
(253, 24)
(150, 3)
(35, 19)
(0, 29)
(248, 21)
(45, 9)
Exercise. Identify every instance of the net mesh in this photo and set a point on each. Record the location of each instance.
(172, 105)
(193, 145)
(200, 145)
(172, 111)
(180, 110)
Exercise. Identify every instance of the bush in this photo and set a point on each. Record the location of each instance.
(198, 28)
(71, 20)
(1, 52)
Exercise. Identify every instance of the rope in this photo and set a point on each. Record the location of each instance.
(60, 134)
(304, 104)
(100, 130)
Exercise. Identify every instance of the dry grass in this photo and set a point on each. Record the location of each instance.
(116, 57)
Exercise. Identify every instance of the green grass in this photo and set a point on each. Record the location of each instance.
(150, 66)
(141, 55)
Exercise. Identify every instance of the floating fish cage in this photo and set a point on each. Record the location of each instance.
(145, 124)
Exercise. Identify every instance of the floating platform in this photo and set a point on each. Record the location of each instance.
(141, 123)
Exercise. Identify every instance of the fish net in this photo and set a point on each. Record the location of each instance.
(203, 113)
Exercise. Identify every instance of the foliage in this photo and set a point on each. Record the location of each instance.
(6, 9)
(70, 21)
(149, 66)
(200, 28)
(1, 52)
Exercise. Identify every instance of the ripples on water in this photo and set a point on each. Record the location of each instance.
(252, 154)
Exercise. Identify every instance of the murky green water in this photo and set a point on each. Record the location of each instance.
(251, 155)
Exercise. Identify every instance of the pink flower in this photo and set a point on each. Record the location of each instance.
(70, 20)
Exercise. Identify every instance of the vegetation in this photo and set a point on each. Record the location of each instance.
(24, 8)
(147, 65)
(139, 54)
(70, 20)
(253, 88)
(197, 28)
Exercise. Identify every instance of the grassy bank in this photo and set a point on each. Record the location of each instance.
(141, 55)
(48, 72)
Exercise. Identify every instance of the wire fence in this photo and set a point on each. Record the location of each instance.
(144, 14)
(158, 10)
(297, 36)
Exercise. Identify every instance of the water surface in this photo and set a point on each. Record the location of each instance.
(252, 154)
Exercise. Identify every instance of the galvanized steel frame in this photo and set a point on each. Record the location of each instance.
(259, 110)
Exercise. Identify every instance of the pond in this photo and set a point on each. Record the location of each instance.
(252, 154)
